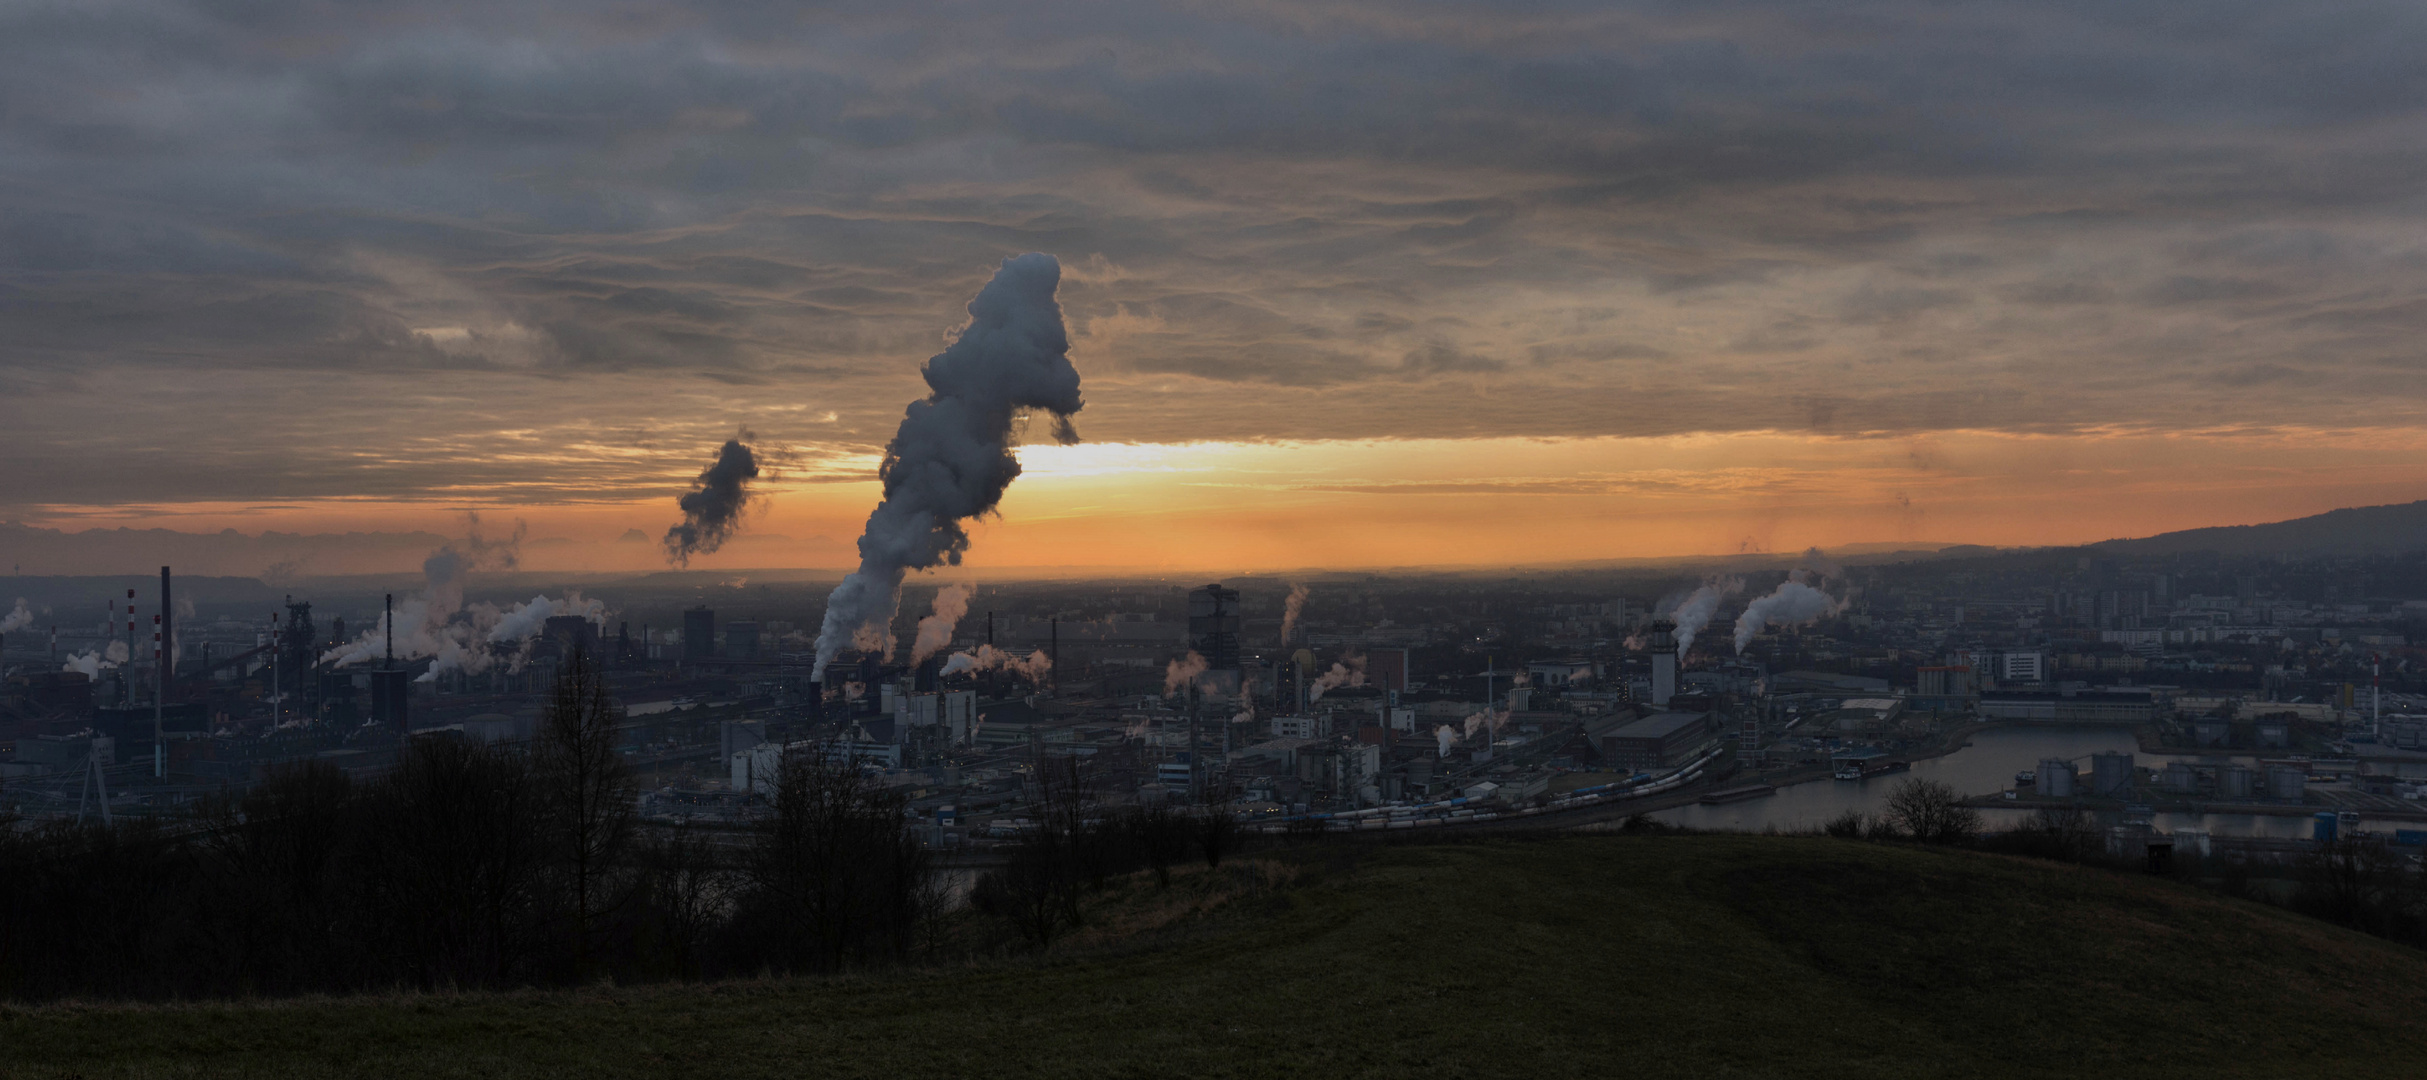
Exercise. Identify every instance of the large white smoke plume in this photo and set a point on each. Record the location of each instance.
(1290, 609)
(952, 457)
(93, 663)
(18, 619)
(988, 658)
(712, 511)
(935, 631)
(437, 624)
(526, 620)
(1796, 601)
(1350, 673)
(1695, 611)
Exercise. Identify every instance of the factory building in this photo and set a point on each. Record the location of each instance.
(2118, 706)
(1657, 741)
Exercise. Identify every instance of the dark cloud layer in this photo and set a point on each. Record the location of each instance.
(409, 235)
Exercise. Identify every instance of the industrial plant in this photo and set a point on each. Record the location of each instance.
(1315, 704)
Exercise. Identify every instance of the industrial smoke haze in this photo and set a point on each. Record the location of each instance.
(1351, 673)
(438, 625)
(952, 458)
(1290, 609)
(1181, 672)
(935, 631)
(712, 511)
(1796, 601)
(1495, 719)
(1695, 611)
(18, 619)
(989, 658)
(93, 663)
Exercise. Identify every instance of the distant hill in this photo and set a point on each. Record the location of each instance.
(1661, 956)
(2360, 530)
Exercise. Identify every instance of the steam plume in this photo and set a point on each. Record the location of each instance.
(92, 663)
(1444, 735)
(951, 458)
(1290, 609)
(712, 512)
(436, 624)
(17, 620)
(1351, 673)
(989, 658)
(1795, 601)
(1695, 611)
(935, 631)
(1494, 719)
(1181, 672)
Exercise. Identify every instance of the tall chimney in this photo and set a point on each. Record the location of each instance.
(387, 622)
(126, 675)
(168, 637)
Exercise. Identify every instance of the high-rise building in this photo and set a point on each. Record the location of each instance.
(741, 640)
(391, 698)
(1213, 626)
(1387, 669)
(699, 635)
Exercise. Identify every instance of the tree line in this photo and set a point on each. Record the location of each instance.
(465, 866)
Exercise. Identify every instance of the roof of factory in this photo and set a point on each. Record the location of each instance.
(1659, 725)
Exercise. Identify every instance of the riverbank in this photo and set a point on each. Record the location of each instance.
(2375, 810)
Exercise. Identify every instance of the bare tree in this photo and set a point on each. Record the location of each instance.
(1217, 834)
(586, 794)
(689, 894)
(835, 866)
(1932, 813)
(454, 861)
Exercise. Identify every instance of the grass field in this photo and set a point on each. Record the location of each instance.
(1619, 956)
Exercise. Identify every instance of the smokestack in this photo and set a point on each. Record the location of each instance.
(126, 675)
(387, 619)
(1664, 661)
(1055, 656)
(168, 637)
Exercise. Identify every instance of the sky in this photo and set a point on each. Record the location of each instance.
(1348, 284)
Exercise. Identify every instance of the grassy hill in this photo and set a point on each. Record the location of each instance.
(1540, 957)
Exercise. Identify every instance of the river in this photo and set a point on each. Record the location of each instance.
(1985, 767)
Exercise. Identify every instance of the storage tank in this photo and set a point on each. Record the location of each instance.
(2287, 784)
(2237, 782)
(2056, 778)
(2111, 775)
(2181, 778)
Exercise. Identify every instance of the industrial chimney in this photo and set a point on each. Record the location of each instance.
(1663, 644)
